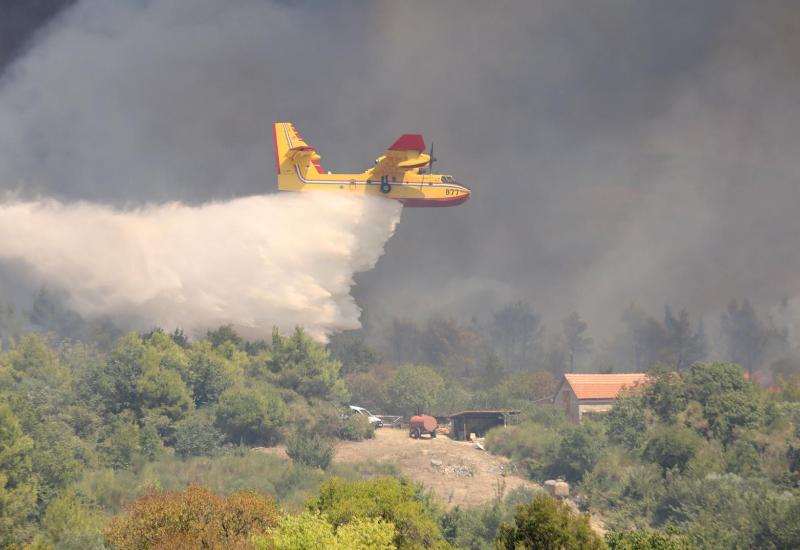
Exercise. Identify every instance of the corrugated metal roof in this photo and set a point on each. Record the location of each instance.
(602, 386)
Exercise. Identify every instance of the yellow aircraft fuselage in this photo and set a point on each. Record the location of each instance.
(396, 175)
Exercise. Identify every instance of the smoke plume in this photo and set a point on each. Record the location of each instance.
(619, 151)
(257, 262)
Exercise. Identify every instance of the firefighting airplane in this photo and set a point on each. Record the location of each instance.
(398, 174)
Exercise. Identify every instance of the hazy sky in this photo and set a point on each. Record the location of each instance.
(618, 150)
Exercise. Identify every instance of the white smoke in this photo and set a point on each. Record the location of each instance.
(173, 102)
(257, 262)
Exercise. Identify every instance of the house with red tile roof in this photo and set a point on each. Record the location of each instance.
(579, 393)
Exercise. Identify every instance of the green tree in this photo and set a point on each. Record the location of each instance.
(251, 415)
(222, 335)
(580, 449)
(126, 365)
(9, 326)
(18, 485)
(196, 435)
(300, 364)
(163, 393)
(708, 379)
(414, 389)
(731, 410)
(626, 422)
(59, 457)
(672, 446)
(123, 448)
(667, 393)
(33, 358)
(547, 524)
(210, 373)
(69, 523)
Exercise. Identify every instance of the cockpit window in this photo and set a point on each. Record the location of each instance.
(444, 179)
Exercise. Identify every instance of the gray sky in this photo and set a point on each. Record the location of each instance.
(619, 150)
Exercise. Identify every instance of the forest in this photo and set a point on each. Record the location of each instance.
(115, 439)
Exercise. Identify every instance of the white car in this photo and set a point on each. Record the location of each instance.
(374, 420)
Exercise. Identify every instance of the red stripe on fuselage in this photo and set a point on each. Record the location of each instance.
(454, 201)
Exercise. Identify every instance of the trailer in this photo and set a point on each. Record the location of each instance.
(422, 424)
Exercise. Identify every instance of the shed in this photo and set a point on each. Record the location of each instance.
(593, 393)
(479, 422)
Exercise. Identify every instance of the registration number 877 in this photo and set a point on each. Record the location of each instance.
(452, 192)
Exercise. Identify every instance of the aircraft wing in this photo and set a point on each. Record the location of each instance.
(406, 153)
(291, 147)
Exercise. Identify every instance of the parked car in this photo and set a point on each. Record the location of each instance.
(374, 420)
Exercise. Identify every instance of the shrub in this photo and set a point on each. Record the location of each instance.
(548, 416)
(194, 518)
(310, 449)
(388, 499)
(529, 443)
(646, 540)
(547, 523)
(727, 511)
(356, 427)
(312, 530)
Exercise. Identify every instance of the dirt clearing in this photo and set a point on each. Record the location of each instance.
(456, 471)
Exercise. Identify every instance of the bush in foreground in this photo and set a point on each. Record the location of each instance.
(646, 540)
(308, 530)
(548, 524)
(309, 449)
(387, 499)
(194, 518)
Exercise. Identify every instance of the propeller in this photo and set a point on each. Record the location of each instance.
(430, 163)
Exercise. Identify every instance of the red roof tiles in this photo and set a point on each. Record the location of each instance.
(602, 386)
